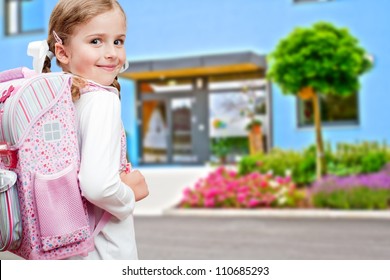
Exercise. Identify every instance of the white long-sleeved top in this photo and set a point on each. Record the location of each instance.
(100, 131)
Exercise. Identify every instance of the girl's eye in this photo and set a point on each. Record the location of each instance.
(95, 41)
(118, 42)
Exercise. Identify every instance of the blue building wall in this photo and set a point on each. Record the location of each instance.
(162, 28)
(176, 28)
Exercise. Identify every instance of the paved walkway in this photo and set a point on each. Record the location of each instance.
(272, 238)
(262, 234)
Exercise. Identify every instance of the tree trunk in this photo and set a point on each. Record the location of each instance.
(256, 140)
(320, 157)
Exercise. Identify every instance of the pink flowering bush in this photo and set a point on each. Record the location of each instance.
(225, 188)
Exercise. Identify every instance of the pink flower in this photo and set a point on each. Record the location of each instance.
(231, 185)
(241, 197)
(225, 188)
(211, 193)
(263, 184)
(187, 191)
(209, 202)
(253, 202)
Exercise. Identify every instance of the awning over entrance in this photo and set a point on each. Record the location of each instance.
(205, 65)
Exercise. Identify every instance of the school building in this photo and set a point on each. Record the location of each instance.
(195, 65)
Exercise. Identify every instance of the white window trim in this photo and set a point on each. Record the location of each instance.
(13, 18)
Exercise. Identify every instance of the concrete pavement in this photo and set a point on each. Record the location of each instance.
(262, 234)
(262, 238)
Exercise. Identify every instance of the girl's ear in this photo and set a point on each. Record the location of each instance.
(61, 54)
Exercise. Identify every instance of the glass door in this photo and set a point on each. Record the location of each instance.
(170, 130)
(173, 122)
(181, 130)
(154, 127)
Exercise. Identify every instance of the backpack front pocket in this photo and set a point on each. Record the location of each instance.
(61, 214)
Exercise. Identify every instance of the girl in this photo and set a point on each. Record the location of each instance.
(87, 38)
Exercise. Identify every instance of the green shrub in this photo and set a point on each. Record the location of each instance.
(224, 146)
(365, 157)
(355, 198)
(305, 172)
(248, 164)
(372, 162)
(280, 162)
(346, 159)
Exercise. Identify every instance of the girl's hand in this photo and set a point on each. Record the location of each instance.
(136, 181)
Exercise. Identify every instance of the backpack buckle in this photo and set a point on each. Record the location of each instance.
(8, 155)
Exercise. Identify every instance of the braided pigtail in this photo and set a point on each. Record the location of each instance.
(47, 65)
(77, 84)
(116, 85)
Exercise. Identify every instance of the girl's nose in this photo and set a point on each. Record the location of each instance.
(110, 52)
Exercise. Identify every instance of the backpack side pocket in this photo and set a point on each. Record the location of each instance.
(10, 218)
(61, 214)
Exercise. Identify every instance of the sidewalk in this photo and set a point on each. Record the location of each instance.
(166, 185)
(261, 238)
(281, 213)
(194, 227)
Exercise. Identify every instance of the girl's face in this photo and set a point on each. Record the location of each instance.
(96, 49)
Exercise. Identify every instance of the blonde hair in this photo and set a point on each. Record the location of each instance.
(65, 17)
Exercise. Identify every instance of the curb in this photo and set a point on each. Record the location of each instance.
(281, 213)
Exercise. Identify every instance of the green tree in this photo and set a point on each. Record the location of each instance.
(321, 59)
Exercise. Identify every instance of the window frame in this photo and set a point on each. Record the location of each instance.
(14, 27)
(324, 123)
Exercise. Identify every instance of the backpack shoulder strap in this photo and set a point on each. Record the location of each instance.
(103, 221)
(16, 73)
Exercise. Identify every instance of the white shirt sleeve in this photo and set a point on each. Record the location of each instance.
(100, 128)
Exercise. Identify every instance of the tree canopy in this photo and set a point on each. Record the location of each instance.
(323, 57)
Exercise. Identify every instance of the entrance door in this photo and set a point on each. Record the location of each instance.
(174, 128)
(181, 130)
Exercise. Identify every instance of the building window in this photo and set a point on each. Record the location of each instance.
(24, 16)
(335, 110)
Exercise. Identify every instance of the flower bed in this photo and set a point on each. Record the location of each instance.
(365, 191)
(225, 188)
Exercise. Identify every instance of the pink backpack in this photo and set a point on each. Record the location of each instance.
(38, 141)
